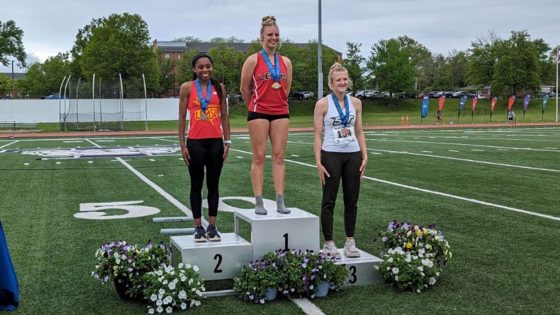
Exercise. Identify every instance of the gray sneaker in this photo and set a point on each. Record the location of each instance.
(260, 210)
(329, 249)
(350, 249)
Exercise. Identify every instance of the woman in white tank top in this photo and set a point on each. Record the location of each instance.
(340, 154)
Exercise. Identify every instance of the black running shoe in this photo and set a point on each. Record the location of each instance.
(199, 234)
(212, 233)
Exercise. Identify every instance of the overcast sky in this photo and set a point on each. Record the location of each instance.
(51, 26)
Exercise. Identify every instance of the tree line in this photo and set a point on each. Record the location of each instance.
(120, 44)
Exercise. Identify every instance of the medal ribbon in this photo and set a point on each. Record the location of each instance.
(274, 70)
(343, 116)
(204, 101)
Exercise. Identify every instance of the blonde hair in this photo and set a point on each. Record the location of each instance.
(268, 20)
(337, 67)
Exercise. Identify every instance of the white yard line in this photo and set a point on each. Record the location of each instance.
(307, 306)
(470, 145)
(459, 159)
(471, 200)
(158, 189)
(7, 144)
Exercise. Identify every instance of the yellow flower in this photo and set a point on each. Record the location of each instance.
(425, 232)
(418, 233)
(408, 245)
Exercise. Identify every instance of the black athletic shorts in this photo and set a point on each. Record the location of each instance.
(255, 115)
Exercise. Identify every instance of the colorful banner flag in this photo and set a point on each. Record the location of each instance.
(526, 101)
(474, 102)
(462, 103)
(441, 103)
(425, 107)
(493, 104)
(511, 101)
(544, 101)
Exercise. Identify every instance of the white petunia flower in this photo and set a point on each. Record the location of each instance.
(151, 310)
(161, 291)
(182, 294)
(432, 281)
(160, 309)
(171, 285)
(197, 303)
(159, 302)
(183, 306)
(153, 297)
(395, 270)
(169, 310)
(195, 268)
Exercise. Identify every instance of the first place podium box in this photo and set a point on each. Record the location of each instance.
(296, 230)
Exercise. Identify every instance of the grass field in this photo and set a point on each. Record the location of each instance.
(492, 192)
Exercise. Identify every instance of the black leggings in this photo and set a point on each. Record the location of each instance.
(345, 166)
(205, 154)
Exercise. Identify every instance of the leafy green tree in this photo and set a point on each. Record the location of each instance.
(391, 64)
(353, 63)
(5, 84)
(118, 44)
(483, 57)
(45, 78)
(167, 71)
(421, 59)
(227, 65)
(11, 43)
(517, 68)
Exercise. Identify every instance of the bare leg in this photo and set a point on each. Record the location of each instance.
(279, 140)
(258, 132)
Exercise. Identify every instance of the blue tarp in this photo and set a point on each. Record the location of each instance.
(9, 289)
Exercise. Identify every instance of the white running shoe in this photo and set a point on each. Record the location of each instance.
(329, 249)
(350, 249)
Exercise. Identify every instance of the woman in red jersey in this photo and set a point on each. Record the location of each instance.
(266, 79)
(208, 140)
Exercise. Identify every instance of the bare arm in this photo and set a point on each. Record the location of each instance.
(224, 116)
(360, 133)
(246, 76)
(318, 116)
(183, 108)
(288, 63)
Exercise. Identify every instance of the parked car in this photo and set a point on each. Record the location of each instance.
(361, 94)
(53, 97)
(304, 95)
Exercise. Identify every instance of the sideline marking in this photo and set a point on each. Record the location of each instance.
(485, 203)
(7, 144)
(307, 306)
(470, 145)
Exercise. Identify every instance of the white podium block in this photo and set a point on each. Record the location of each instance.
(296, 230)
(361, 270)
(216, 260)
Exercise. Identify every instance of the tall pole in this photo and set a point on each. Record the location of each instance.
(557, 56)
(13, 81)
(320, 59)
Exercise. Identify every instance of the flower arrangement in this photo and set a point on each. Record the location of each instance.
(256, 279)
(293, 272)
(126, 264)
(414, 256)
(169, 288)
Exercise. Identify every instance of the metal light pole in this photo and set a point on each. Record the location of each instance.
(557, 55)
(13, 81)
(320, 59)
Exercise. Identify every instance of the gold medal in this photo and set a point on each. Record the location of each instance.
(276, 85)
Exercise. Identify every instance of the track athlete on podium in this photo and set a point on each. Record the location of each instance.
(208, 140)
(266, 79)
(340, 154)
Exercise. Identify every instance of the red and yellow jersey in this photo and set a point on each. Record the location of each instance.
(264, 98)
(199, 128)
